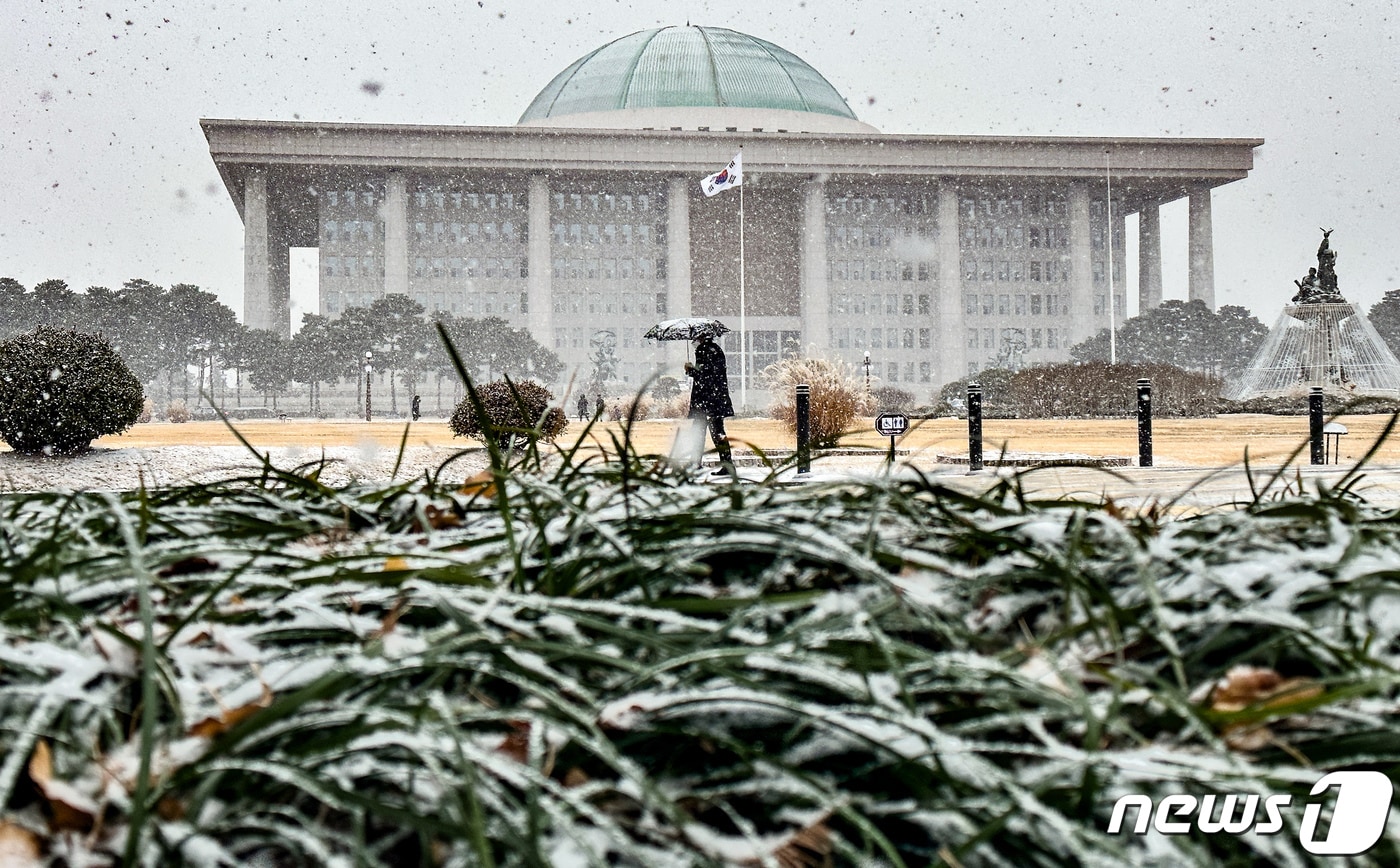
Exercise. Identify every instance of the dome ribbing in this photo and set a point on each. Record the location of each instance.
(687, 67)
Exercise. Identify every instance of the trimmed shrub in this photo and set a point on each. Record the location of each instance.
(1087, 390)
(892, 399)
(523, 406)
(177, 412)
(838, 397)
(148, 410)
(61, 389)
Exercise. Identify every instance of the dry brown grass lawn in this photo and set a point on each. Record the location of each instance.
(1202, 442)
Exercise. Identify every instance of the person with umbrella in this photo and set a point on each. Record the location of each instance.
(709, 396)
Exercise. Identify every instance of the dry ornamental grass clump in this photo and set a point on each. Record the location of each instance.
(838, 397)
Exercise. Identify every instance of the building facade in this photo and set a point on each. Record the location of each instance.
(937, 255)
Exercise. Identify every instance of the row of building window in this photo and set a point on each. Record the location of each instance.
(880, 269)
(352, 231)
(456, 200)
(1016, 271)
(456, 267)
(625, 202)
(916, 203)
(842, 236)
(1015, 339)
(1052, 204)
(350, 198)
(609, 268)
(1015, 237)
(457, 303)
(891, 303)
(456, 232)
(1049, 304)
(892, 338)
(611, 303)
(352, 266)
(625, 234)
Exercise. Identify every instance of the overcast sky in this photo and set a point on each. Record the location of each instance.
(105, 174)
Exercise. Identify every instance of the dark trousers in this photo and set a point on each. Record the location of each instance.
(721, 440)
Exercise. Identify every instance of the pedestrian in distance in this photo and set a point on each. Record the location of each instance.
(417, 407)
(709, 397)
(598, 407)
(583, 408)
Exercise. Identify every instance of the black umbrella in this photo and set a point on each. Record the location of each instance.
(686, 329)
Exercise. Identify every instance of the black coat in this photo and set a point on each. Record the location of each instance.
(709, 395)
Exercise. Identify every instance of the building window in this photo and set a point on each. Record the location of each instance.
(925, 305)
(972, 339)
(661, 304)
(1035, 339)
(925, 339)
(925, 372)
(987, 302)
(1019, 308)
(1003, 305)
(989, 339)
(1051, 339)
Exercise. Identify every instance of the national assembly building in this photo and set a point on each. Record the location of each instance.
(939, 256)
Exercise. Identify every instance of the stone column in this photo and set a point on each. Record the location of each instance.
(677, 264)
(1120, 253)
(279, 283)
(815, 297)
(396, 234)
(256, 307)
(1081, 323)
(539, 284)
(951, 362)
(1149, 257)
(1201, 247)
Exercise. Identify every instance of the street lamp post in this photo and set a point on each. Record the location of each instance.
(369, 381)
(867, 372)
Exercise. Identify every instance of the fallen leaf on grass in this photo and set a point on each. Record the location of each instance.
(69, 808)
(482, 484)
(19, 847)
(210, 727)
(1258, 689)
(1254, 687)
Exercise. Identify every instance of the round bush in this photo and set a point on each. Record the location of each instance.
(61, 389)
(525, 404)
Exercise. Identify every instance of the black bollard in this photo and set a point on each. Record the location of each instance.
(1144, 392)
(1319, 453)
(804, 428)
(974, 427)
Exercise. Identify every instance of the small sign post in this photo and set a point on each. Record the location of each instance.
(891, 425)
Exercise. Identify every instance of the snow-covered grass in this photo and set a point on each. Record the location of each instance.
(583, 663)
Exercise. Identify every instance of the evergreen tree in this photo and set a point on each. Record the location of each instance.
(1385, 316)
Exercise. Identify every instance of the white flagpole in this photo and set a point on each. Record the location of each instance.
(743, 322)
(1112, 313)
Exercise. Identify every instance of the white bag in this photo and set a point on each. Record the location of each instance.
(689, 445)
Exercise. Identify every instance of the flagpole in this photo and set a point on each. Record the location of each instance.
(1108, 236)
(743, 322)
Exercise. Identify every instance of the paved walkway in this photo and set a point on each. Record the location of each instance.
(1182, 489)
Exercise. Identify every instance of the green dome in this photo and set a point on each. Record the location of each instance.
(687, 66)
